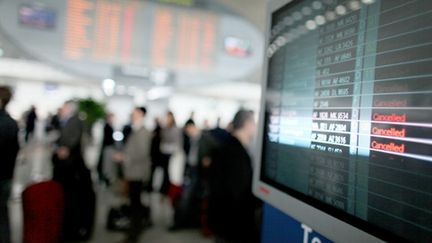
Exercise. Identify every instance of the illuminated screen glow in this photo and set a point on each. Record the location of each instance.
(35, 16)
(348, 123)
(111, 32)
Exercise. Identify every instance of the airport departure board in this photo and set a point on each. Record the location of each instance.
(125, 31)
(348, 123)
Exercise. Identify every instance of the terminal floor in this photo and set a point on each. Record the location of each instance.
(34, 165)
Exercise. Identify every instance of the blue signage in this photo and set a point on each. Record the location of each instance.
(280, 228)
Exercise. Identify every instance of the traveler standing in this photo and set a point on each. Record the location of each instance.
(170, 143)
(8, 149)
(231, 203)
(187, 210)
(54, 122)
(31, 119)
(209, 142)
(155, 152)
(70, 171)
(107, 141)
(68, 153)
(137, 169)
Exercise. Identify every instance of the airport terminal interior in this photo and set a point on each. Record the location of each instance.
(226, 121)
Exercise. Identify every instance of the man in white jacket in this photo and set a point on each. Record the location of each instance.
(137, 168)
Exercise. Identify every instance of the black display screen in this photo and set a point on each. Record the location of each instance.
(348, 113)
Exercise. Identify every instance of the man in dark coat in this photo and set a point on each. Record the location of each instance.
(8, 150)
(30, 123)
(70, 171)
(155, 153)
(231, 203)
(187, 209)
(68, 154)
(209, 142)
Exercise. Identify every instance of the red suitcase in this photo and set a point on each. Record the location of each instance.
(43, 208)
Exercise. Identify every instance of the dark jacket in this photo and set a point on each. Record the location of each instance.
(210, 141)
(55, 122)
(127, 130)
(31, 120)
(231, 203)
(70, 137)
(155, 152)
(108, 139)
(9, 145)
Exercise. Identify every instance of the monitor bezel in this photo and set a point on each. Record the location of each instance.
(301, 207)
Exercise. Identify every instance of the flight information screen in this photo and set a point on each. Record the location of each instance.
(348, 113)
(113, 31)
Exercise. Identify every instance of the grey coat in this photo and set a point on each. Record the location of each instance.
(137, 165)
(171, 140)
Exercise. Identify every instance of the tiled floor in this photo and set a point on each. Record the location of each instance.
(34, 165)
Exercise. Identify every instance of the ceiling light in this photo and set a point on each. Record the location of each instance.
(316, 5)
(108, 86)
(354, 5)
(368, 1)
(281, 41)
(341, 10)
(320, 20)
(311, 25)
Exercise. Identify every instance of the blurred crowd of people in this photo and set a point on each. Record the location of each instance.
(214, 196)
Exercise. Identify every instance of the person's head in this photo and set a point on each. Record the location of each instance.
(109, 118)
(206, 124)
(68, 109)
(170, 119)
(5, 96)
(191, 129)
(138, 115)
(244, 124)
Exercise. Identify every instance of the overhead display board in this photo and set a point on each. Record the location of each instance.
(108, 31)
(90, 36)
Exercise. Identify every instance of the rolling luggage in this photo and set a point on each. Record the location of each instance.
(118, 218)
(43, 206)
(119, 215)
